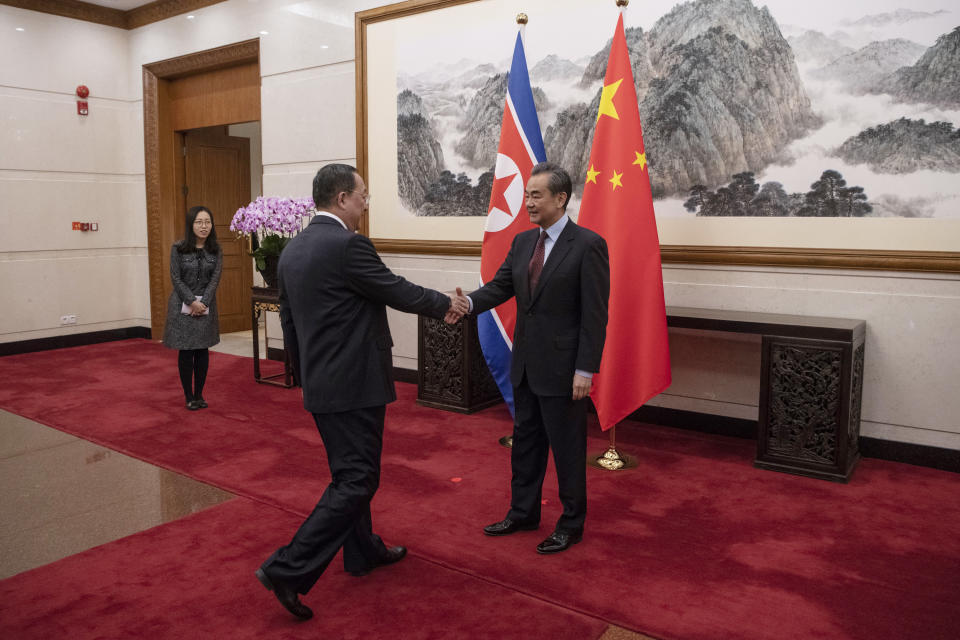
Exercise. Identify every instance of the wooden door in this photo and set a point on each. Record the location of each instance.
(217, 171)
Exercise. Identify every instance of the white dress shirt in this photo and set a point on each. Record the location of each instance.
(327, 214)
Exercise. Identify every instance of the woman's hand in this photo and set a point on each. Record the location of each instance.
(197, 308)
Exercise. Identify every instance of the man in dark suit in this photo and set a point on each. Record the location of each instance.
(334, 290)
(560, 276)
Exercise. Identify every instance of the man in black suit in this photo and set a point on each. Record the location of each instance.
(560, 276)
(334, 290)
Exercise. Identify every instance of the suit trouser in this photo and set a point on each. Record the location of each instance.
(353, 440)
(545, 423)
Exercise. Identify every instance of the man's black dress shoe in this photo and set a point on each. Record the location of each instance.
(507, 526)
(559, 541)
(393, 554)
(287, 597)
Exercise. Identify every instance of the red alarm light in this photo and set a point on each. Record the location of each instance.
(83, 108)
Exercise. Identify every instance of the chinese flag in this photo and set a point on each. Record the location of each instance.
(618, 205)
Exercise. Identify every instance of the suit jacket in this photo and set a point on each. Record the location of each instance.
(561, 326)
(333, 292)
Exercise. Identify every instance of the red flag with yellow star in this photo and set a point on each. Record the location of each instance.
(618, 205)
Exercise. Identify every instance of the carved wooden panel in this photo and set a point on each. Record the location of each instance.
(452, 372)
(856, 401)
(441, 361)
(74, 9)
(161, 10)
(484, 386)
(810, 399)
(208, 60)
(155, 249)
(804, 406)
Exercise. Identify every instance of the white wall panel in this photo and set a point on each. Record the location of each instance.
(42, 132)
(295, 180)
(42, 206)
(309, 115)
(300, 35)
(57, 167)
(56, 54)
(103, 288)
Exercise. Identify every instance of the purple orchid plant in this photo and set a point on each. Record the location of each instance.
(273, 221)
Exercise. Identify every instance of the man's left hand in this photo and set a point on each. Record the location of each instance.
(581, 386)
(459, 307)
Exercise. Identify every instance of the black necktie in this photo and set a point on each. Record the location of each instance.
(536, 262)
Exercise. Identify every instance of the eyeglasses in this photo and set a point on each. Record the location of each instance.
(365, 196)
(202, 223)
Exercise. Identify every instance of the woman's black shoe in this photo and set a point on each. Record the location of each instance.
(193, 405)
(201, 403)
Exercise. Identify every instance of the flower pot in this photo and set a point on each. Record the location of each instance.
(269, 272)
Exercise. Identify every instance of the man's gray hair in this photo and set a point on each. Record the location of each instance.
(559, 181)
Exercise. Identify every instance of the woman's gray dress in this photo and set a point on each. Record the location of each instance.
(196, 273)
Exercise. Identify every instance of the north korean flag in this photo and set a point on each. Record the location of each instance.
(521, 147)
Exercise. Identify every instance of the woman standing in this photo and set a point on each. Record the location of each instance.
(192, 324)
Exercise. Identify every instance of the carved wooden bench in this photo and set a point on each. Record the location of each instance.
(811, 382)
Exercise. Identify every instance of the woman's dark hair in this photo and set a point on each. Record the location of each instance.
(189, 242)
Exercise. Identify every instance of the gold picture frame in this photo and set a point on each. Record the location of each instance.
(863, 243)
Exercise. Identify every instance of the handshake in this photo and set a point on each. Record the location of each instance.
(459, 307)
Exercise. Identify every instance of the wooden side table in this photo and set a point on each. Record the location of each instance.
(267, 299)
(452, 373)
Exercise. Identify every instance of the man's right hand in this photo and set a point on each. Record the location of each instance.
(459, 307)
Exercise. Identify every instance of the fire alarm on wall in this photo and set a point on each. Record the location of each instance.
(82, 106)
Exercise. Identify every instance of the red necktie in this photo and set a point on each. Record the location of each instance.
(536, 262)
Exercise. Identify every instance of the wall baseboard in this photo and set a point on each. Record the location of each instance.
(73, 340)
(915, 454)
(406, 375)
(918, 454)
(695, 421)
(906, 452)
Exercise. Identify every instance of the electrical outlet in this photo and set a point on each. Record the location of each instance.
(68, 319)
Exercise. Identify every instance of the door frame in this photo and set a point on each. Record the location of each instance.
(160, 154)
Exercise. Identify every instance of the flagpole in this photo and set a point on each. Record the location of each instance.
(612, 459)
(507, 441)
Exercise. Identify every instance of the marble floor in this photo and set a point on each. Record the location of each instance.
(63, 495)
(96, 495)
(240, 343)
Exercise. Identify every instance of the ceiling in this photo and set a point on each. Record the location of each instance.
(122, 5)
(124, 14)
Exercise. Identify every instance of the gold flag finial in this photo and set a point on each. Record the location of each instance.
(521, 18)
(622, 3)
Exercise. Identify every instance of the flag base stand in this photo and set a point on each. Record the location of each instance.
(506, 441)
(613, 460)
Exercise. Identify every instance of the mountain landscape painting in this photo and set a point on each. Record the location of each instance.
(748, 109)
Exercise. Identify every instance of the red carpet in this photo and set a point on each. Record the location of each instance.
(695, 543)
(197, 581)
